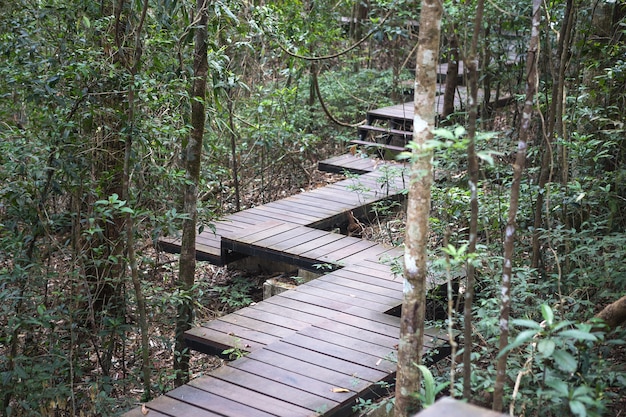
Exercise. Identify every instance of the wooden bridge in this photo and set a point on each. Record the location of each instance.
(313, 350)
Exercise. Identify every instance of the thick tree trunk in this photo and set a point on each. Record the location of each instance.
(415, 255)
(614, 314)
(509, 236)
(192, 154)
(472, 163)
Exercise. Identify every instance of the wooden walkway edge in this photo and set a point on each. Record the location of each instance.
(316, 349)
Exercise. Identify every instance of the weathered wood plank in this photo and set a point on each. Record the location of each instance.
(331, 349)
(292, 379)
(274, 389)
(237, 393)
(173, 407)
(359, 372)
(332, 289)
(331, 376)
(208, 401)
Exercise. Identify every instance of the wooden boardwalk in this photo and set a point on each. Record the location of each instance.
(313, 350)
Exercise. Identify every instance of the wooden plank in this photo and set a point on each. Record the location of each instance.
(344, 297)
(290, 215)
(240, 332)
(176, 408)
(308, 205)
(305, 207)
(336, 206)
(369, 144)
(220, 405)
(244, 219)
(359, 372)
(267, 316)
(349, 342)
(332, 288)
(331, 376)
(334, 278)
(373, 252)
(279, 310)
(331, 349)
(280, 237)
(388, 341)
(274, 389)
(306, 235)
(263, 231)
(301, 306)
(347, 162)
(310, 299)
(331, 247)
(346, 197)
(254, 324)
(339, 255)
(371, 277)
(289, 378)
(236, 393)
(315, 314)
(219, 340)
(315, 243)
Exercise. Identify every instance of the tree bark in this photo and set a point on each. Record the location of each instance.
(554, 127)
(614, 314)
(472, 163)
(452, 75)
(418, 210)
(509, 236)
(192, 156)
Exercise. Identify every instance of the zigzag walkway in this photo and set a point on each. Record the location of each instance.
(316, 349)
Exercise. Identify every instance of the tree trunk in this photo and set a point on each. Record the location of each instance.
(452, 76)
(472, 162)
(614, 314)
(192, 155)
(509, 236)
(554, 127)
(418, 210)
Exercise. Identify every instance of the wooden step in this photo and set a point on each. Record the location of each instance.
(378, 145)
(364, 129)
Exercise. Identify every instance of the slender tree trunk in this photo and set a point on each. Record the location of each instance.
(452, 75)
(415, 255)
(554, 128)
(233, 152)
(130, 225)
(192, 156)
(509, 236)
(472, 161)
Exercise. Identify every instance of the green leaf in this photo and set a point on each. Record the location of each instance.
(578, 335)
(486, 156)
(546, 347)
(526, 323)
(521, 338)
(547, 313)
(578, 408)
(559, 386)
(565, 360)
(444, 133)
(429, 386)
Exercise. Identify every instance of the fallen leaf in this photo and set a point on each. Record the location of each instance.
(335, 389)
(144, 410)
